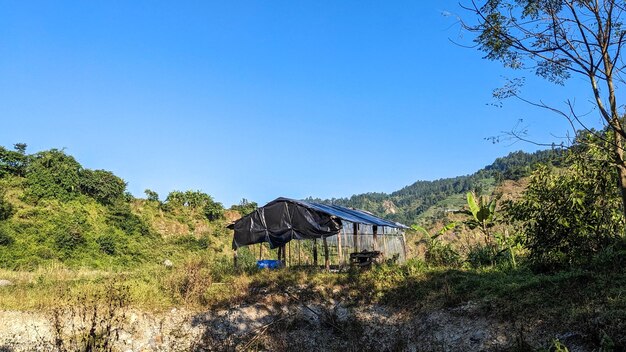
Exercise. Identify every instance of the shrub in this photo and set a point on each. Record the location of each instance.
(6, 209)
(569, 215)
(70, 240)
(53, 174)
(101, 185)
(442, 254)
(214, 211)
(245, 207)
(68, 232)
(107, 244)
(90, 322)
(481, 255)
(5, 238)
(121, 216)
(190, 282)
(195, 202)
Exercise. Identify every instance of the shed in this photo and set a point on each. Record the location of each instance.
(342, 230)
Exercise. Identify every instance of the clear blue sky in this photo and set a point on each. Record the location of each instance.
(259, 99)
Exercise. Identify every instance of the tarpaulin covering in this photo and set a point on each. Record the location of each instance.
(283, 219)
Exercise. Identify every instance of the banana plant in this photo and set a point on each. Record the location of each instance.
(483, 213)
(484, 217)
(437, 234)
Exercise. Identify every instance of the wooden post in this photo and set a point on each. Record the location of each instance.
(355, 232)
(289, 253)
(385, 249)
(261, 251)
(299, 253)
(280, 253)
(315, 251)
(326, 260)
(339, 249)
(374, 230)
(404, 245)
(235, 258)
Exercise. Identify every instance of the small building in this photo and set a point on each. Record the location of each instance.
(343, 233)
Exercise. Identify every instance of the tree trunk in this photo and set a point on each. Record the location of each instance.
(621, 168)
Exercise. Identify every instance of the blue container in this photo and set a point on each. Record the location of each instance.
(268, 264)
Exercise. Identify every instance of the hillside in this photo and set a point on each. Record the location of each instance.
(53, 210)
(72, 241)
(423, 200)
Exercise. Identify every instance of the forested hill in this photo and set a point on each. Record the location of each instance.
(407, 204)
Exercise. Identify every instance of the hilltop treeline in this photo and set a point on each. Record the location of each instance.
(54, 209)
(408, 203)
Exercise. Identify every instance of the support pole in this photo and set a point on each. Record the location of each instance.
(355, 233)
(235, 258)
(261, 251)
(326, 259)
(339, 249)
(315, 251)
(404, 245)
(299, 253)
(374, 231)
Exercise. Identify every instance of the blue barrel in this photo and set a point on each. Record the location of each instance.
(268, 264)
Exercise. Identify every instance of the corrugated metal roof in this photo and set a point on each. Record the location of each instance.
(347, 214)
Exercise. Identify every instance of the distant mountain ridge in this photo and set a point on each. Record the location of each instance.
(407, 204)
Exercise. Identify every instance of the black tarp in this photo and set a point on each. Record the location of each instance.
(283, 219)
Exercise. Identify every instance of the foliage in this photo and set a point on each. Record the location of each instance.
(107, 243)
(102, 186)
(558, 39)
(569, 215)
(214, 211)
(151, 195)
(13, 162)
(190, 282)
(195, 202)
(409, 203)
(69, 232)
(482, 212)
(439, 253)
(245, 207)
(53, 175)
(6, 208)
(5, 237)
(121, 216)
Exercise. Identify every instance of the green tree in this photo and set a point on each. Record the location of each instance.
(53, 174)
(194, 202)
(102, 186)
(569, 215)
(557, 40)
(151, 195)
(245, 207)
(13, 162)
(214, 211)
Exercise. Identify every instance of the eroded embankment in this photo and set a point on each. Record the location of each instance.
(280, 322)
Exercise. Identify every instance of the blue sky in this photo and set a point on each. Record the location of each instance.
(260, 99)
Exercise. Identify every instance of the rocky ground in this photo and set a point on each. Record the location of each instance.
(279, 323)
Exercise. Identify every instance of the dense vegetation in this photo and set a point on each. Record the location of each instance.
(553, 249)
(52, 209)
(408, 204)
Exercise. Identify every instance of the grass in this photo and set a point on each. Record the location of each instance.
(591, 302)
